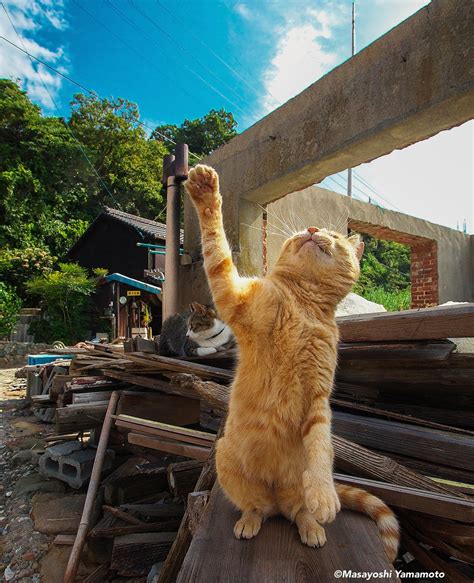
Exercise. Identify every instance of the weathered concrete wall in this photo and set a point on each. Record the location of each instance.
(410, 84)
(324, 208)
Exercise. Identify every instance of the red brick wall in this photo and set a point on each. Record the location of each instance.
(424, 275)
(424, 261)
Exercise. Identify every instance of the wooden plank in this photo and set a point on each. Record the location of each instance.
(175, 557)
(186, 450)
(402, 350)
(165, 429)
(413, 499)
(159, 433)
(418, 442)
(154, 406)
(276, 553)
(79, 417)
(151, 383)
(441, 322)
(355, 459)
(114, 531)
(339, 403)
(178, 365)
(135, 554)
(183, 476)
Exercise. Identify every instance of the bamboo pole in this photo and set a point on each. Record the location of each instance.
(73, 563)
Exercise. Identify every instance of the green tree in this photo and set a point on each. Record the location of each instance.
(65, 296)
(18, 266)
(10, 305)
(203, 135)
(130, 166)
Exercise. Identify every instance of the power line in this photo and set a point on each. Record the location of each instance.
(256, 90)
(191, 70)
(86, 157)
(365, 183)
(183, 48)
(89, 91)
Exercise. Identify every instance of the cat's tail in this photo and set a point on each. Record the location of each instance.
(386, 521)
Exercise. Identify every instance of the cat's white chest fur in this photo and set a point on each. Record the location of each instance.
(214, 337)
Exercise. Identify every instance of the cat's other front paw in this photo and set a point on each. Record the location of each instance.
(321, 498)
(206, 351)
(202, 186)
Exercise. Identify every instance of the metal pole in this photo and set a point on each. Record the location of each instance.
(170, 296)
(349, 171)
(175, 170)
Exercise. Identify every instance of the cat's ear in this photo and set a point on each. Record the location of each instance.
(358, 245)
(211, 313)
(192, 309)
(199, 308)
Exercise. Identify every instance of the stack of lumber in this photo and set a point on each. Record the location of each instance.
(403, 429)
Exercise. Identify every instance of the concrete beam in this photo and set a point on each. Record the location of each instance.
(410, 84)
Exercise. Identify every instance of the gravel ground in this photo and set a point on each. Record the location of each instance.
(21, 548)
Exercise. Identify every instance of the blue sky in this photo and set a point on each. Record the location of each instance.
(178, 59)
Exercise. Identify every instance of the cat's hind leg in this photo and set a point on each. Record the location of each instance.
(290, 500)
(254, 498)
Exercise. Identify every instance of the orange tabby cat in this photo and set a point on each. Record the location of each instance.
(276, 455)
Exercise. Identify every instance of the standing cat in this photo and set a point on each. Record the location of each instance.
(198, 332)
(276, 455)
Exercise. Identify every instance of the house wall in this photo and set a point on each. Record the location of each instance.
(113, 245)
(442, 258)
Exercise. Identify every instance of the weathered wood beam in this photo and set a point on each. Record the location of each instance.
(423, 324)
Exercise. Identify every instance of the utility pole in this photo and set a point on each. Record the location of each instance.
(349, 171)
(175, 171)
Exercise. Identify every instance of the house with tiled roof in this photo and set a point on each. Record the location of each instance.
(117, 241)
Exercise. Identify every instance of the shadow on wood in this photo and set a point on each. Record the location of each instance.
(276, 554)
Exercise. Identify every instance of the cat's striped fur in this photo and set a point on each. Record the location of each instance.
(276, 455)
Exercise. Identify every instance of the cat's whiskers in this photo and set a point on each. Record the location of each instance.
(261, 229)
(285, 229)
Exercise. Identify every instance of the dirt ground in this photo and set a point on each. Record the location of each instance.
(25, 553)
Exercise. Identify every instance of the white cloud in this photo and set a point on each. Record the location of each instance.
(29, 18)
(243, 10)
(300, 58)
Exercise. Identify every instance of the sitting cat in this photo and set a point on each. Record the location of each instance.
(276, 455)
(197, 332)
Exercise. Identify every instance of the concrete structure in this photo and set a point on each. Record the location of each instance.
(441, 258)
(71, 463)
(410, 84)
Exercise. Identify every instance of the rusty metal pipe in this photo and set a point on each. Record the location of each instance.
(173, 205)
(74, 558)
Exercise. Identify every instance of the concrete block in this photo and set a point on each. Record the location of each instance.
(70, 464)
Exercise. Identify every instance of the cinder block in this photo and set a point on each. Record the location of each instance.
(70, 464)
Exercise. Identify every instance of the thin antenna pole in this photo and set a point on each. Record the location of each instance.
(349, 171)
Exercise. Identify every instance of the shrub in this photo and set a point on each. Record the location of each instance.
(18, 266)
(10, 305)
(65, 296)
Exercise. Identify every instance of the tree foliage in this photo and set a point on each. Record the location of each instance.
(65, 296)
(56, 174)
(203, 135)
(18, 266)
(384, 265)
(10, 305)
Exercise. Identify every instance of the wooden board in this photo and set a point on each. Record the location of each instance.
(412, 499)
(186, 450)
(164, 429)
(173, 409)
(418, 442)
(454, 321)
(276, 554)
(135, 554)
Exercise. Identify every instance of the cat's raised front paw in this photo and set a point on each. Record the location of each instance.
(321, 498)
(202, 186)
